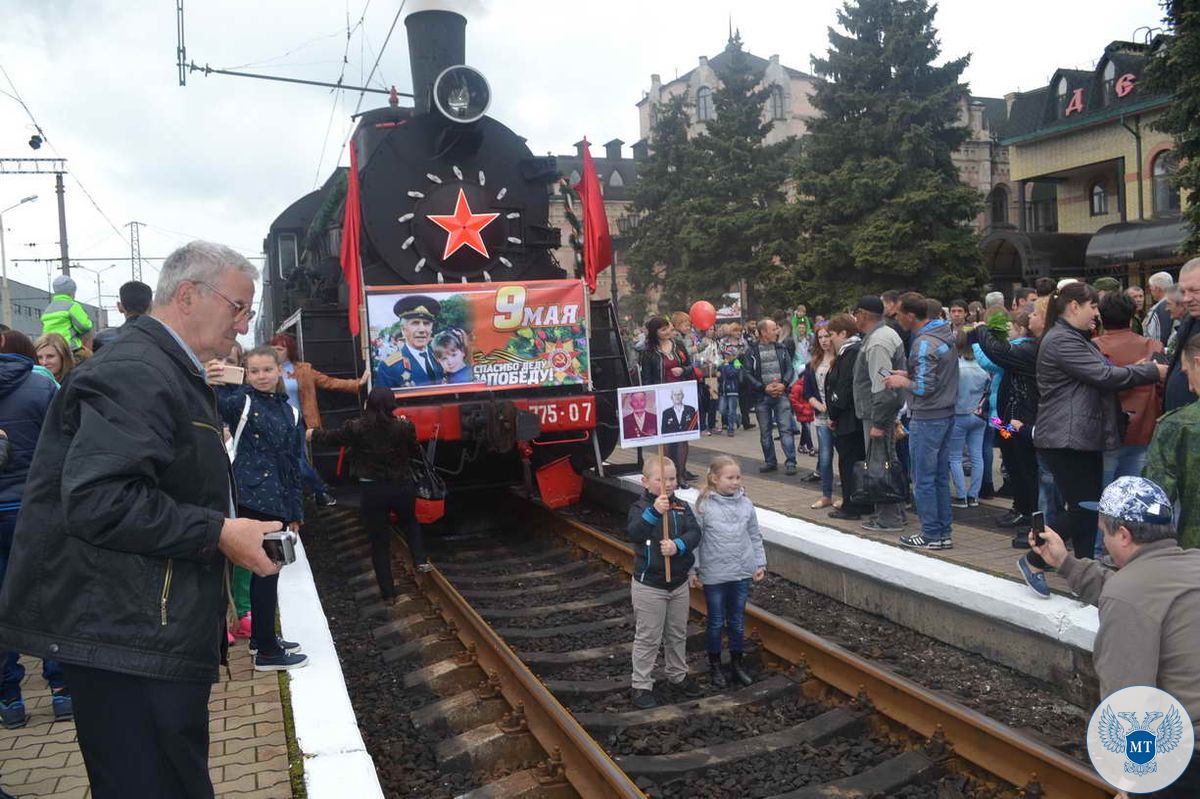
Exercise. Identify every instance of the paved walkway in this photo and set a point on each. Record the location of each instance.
(979, 543)
(248, 755)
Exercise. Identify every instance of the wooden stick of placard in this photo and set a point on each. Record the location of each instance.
(662, 464)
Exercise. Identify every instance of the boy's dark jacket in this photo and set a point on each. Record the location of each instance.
(645, 531)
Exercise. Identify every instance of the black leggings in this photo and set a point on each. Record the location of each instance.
(379, 498)
(264, 598)
(1078, 475)
(1021, 458)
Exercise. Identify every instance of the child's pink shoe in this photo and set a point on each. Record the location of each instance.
(242, 628)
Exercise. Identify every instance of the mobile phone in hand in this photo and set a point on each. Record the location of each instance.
(1038, 525)
(885, 372)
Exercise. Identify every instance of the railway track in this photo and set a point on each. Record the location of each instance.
(524, 643)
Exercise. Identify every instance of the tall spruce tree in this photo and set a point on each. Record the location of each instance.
(657, 255)
(730, 208)
(1175, 69)
(881, 203)
(706, 201)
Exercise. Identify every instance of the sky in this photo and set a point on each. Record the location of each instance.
(221, 157)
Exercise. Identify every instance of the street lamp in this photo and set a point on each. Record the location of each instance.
(5, 297)
(99, 294)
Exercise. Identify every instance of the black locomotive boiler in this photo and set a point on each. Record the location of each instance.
(440, 158)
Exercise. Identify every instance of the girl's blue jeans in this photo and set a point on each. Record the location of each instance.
(825, 447)
(726, 611)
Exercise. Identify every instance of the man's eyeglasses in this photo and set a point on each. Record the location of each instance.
(240, 309)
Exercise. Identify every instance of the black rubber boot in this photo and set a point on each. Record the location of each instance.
(715, 673)
(740, 675)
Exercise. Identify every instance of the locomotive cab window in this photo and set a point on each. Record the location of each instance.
(288, 254)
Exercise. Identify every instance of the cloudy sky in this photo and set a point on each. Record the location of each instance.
(223, 156)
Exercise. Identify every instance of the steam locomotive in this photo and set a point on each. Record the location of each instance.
(432, 178)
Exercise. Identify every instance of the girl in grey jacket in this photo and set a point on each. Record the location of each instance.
(730, 555)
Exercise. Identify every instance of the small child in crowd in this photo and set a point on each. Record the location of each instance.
(267, 440)
(730, 378)
(660, 606)
(730, 555)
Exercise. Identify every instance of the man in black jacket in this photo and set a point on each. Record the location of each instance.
(768, 374)
(118, 567)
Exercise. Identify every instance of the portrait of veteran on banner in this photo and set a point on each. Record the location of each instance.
(415, 362)
(665, 413)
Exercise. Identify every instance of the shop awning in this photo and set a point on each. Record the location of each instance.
(1135, 242)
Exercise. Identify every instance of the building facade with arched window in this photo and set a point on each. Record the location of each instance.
(1090, 177)
(788, 104)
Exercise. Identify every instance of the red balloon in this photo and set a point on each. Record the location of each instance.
(703, 315)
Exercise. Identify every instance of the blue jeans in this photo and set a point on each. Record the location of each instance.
(13, 672)
(968, 432)
(1124, 462)
(989, 451)
(1050, 502)
(779, 410)
(729, 411)
(726, 611)
(825, 459)
(929, 447)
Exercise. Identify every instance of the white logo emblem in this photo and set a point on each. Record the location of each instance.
(1140, 739)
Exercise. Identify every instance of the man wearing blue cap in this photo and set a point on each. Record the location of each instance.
(1149, 608)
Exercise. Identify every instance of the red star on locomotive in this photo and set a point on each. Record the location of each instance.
(464, 227)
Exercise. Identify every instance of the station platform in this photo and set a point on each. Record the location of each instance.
(970, 596)
(248, 752)
(260, 723)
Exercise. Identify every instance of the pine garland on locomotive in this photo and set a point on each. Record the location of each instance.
(441, 156)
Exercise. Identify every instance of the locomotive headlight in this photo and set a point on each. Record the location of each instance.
(461, 94)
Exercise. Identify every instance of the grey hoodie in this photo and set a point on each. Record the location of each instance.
(933, 368)
(731, 547)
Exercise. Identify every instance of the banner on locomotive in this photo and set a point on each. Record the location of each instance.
(432, 339)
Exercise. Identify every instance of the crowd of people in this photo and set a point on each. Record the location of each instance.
(1089, 392)
(143, 470)
(1067, 379)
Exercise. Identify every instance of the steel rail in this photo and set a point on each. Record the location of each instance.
(588, 768)
(977, 739)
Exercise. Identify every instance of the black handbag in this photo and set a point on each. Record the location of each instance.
(880, 479)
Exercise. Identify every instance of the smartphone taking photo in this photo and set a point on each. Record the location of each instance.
(1037, 526)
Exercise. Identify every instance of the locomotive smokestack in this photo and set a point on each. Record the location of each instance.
(436, 39)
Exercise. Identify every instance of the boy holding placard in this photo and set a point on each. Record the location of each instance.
(660, 605)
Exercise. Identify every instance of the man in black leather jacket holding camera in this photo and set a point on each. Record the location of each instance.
(119, 560)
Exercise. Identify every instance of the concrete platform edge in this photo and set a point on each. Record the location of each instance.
(336, 762)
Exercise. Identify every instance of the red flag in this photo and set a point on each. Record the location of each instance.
(350, 230)
(597, 242)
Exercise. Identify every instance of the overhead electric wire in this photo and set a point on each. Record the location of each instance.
(378, 58)
(46, 140)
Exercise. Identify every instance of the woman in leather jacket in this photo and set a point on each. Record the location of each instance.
(1077, 407)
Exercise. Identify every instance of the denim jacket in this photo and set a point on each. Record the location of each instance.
(267, 467)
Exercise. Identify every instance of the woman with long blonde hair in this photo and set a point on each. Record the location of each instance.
(55, 356)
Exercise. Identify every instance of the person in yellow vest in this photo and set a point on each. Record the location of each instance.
(65, 316)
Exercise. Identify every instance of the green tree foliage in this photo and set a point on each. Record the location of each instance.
(706, 201)
(881, 203)
(1175, 70)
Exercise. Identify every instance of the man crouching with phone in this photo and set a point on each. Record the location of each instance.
(1149, 608)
